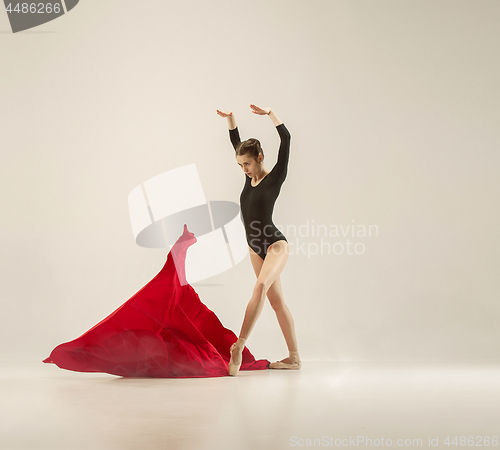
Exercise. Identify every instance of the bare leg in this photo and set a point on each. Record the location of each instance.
(276, 258)
(285, 319)
(277, 301)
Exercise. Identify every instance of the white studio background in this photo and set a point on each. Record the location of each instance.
(393, 108)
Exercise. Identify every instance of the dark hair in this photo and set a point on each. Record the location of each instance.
(250, 147)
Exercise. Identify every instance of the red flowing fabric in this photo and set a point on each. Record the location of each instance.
(162, 331)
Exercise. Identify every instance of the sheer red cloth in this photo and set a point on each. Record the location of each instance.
(162, 331)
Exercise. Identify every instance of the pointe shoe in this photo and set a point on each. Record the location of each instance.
(233, 366)
(293, 362)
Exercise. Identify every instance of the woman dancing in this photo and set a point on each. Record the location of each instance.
(268, 246)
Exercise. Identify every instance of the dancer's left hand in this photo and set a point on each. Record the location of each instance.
(260, 111)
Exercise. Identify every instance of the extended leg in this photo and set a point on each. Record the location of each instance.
(285, 319)
(276, 258)
(275, 295)
(277, 301)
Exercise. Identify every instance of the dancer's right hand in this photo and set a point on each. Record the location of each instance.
(225, 114)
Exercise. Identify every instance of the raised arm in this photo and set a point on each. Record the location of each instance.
(234, 135)
(280, 169)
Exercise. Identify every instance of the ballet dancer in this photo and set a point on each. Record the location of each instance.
(268, 247)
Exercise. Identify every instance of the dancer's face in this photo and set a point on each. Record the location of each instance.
(249, 165)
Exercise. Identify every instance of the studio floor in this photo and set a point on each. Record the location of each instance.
(324, 405)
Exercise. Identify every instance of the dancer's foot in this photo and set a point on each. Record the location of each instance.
(291, 363)
(236, 351)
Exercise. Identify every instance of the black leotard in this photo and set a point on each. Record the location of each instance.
(257, 202)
